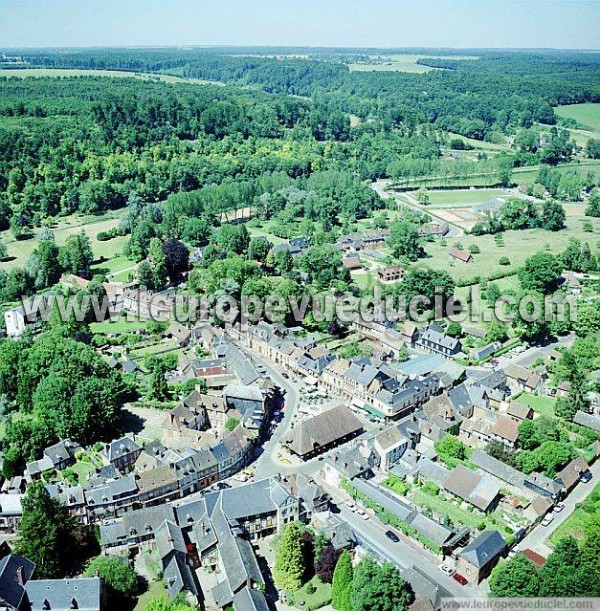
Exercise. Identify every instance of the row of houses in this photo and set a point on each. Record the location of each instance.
(205, 545)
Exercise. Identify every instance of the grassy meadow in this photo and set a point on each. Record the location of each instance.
(586, 115)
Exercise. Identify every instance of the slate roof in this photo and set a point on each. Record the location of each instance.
(249, 599)
(169, 539)
(179, 576)
(588, 420)
(323, 430)
(84, 594)
(120, 447)
(10, 590)
(485, 548)
(468, 485)
(390, 437)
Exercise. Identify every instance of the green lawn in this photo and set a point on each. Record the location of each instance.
(18, 251)
(575, 524)
(120, 325)
(442, 505)
(518, 246)
(321, 597)
(155, 590)
(587, 115)
(540, 405)
(468, 197)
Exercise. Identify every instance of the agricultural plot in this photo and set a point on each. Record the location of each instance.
(67, 72)
(399, 63)
(450, 198)
(586, 115)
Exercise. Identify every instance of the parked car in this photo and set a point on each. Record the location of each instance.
(351, 507)
(460, 578)
(363, 514)
(586, 477)
(446, 569)
(513, 552)
(392, 536)
(558, 507)
(285, 375)
(547, 520)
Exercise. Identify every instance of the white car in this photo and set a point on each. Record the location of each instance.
(351, 507)
(547, 520)
(446, 569)
(363, 514)
(558, 507)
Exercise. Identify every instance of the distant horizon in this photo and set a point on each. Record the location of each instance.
(382, 24)
(298, 47)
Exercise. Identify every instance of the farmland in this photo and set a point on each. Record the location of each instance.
(399, 63)
(586, 115)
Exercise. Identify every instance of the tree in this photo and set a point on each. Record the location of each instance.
(3, 251)
(159, 387)
(342, 583)
(116, 572)
(593, 207)
(145, 276)
(158, 266)
(517, 577)
(541, 273)
(167, 604)
(379, 588)
(325, 566)
(177, 257)
(553, 216)
(76, 255)
(289, 567)
(46, 532)
(259, 249)
(404, 240)
(593, 148)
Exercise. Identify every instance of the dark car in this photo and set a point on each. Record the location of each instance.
(392, 536)
(586, 477)
(462, 580)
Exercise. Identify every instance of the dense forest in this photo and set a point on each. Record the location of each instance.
(461, 97)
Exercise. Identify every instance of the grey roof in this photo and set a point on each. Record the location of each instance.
(61, 451)
(482, 353)
(323, 430)
(189, 513)
(424, 586)
(247, 393)
(169, 539)
(179, 576)
(84, 594)
(263, 496)
(240, 364)
(588, 420)
(249, 599)
(146, 521)
(433, 471)
(436, 336)
(121, 447)
(10, 590)
(485, 548)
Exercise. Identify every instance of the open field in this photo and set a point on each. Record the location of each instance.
(463, 196)
(18, 251)
(587, 115)
(518, 246)
(400, 63)
(520, 176)
(65, 72)
(480, 144)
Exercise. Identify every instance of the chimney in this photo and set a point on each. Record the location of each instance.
(20, 579)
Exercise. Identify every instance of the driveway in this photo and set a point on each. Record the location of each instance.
(537, 539)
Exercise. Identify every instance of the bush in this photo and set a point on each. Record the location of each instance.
(474, 249)
(431, 488)
(504, 261)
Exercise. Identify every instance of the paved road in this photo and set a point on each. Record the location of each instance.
(403, 555)
(538, 537)
(381, 187)
(267, 463)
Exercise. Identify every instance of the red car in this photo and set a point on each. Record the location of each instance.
(462, 580)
